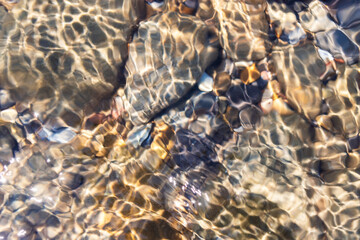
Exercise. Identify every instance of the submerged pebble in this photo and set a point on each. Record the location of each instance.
(155, 81)
(179, 119)
(70, 180)
(205, 83)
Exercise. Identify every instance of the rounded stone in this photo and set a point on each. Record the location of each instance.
(70, 180)
(162, 67)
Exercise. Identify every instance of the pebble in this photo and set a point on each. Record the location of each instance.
(222, 83)
(69, 180)
(250, 74)
(339, 45)
(60, 135)
(206, 83)
(5, 100)
(266, 105)
(325, 55)
(9, 115)
(139, 134)
(202, 103)
(156, 4)
(250, 117)
(154, 81)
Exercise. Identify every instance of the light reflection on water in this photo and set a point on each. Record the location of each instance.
(206, 119)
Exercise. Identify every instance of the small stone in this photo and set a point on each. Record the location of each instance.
(155, 4)
(188, 7)
(60, 135)
(205, 83)
(266, 105)
(354, 142)
(16, 201)
(222, 83)
(232, 116)
(139, 134)
(325, 55)
(5, 100)
(52, 227)
(250, 117)
(202, 103)
(70, 180)
(250, 74)
(9, 115)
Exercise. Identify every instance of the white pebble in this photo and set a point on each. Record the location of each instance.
(206, 83)
(8, 115)
(325, 55)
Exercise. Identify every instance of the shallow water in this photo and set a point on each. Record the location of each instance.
(208, 119)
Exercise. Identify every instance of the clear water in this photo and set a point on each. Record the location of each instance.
(208, 119)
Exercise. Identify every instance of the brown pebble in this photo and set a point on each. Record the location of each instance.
(70, 180)
(222, 83)
(352, 161)
(232, 116)
(250, 74)
(186, 10)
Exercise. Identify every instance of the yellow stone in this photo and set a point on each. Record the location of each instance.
(250, 74)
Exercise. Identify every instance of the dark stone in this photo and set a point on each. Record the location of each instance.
(37, 162)
(71, 180)
(354, 142)
(339, 45)
(33, 126)
(236, 94)
(253, 93)
(13, 201)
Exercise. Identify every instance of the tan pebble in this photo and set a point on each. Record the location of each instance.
(266, 105)
(222, 83)
(8, 115)
(321, 204)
